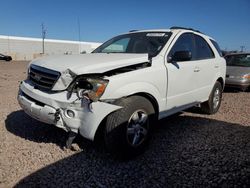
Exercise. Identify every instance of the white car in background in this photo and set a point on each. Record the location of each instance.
(123, 86)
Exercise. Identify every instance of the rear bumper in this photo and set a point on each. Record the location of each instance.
(53, 108)
(237, 83)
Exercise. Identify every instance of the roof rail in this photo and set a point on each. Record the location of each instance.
(133, 30)
(176, 27)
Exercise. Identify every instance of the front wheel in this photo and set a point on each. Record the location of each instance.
(213, 104)
(128, 130)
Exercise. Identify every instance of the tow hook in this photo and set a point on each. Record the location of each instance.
(56, 114)
(71, 137)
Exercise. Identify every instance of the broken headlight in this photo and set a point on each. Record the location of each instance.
(90, 88)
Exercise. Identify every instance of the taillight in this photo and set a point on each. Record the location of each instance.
(247, 76)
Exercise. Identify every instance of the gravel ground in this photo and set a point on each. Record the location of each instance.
(189, 149)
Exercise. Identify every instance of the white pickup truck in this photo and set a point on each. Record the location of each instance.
(123, 86)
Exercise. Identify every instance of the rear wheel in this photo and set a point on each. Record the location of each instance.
(128, 130)
(213, 104)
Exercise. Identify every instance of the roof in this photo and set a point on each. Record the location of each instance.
(184, 28)
(150, 30)
(175, 28)
(238, 53)
(166, 30)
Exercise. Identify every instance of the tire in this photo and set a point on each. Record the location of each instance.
(128, 130)
(213, 104)
(244, 89)
(7, 59)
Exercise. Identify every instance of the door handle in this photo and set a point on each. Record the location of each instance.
(216, 66)
(196, 69)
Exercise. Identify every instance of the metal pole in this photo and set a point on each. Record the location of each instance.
(242, 48)
(8, 45)
(79, 34)
(43, 45)
(43, 36)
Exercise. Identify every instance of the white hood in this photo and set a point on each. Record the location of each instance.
(90, 63)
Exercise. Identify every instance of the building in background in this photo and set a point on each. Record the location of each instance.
(22, 48)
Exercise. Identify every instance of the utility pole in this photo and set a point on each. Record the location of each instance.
(79, 34)
(44, 31)
(8, 45)
(242, 48)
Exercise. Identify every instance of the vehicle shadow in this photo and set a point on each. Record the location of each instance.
(184, 151)
(234, 90)
(20, 124)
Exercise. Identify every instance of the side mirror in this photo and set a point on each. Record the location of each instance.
(180, 56)
(151, 54)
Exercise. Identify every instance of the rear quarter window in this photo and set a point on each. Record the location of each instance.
(217, 47)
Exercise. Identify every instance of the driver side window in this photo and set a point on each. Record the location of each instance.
(184, 43)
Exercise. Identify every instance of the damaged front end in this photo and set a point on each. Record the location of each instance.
(89, 87)
(76, 109)
(69, 101)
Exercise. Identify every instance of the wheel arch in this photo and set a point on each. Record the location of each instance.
(220, 79)
(151, 99)
(98, 134)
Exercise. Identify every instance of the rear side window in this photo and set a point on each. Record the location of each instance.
(217, 47)
(203, 50)
(184, 43)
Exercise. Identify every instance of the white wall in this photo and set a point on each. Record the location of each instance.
(21, 48)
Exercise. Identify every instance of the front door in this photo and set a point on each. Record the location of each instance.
(182, 75)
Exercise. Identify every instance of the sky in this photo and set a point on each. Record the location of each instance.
(227, 21)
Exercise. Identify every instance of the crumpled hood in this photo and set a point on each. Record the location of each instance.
(90, 63)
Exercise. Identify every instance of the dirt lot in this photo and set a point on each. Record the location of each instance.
(186, 150)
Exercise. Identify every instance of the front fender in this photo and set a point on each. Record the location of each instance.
(133, 88)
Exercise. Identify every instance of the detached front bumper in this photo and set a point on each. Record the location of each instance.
(69, 114)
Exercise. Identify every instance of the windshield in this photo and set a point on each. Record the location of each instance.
(241, 60)
(141, 42)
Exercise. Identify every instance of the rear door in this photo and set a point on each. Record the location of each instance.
(207, 68)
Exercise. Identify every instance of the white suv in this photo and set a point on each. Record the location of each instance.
(125, 84)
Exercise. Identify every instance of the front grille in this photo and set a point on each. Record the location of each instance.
(43, 78)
